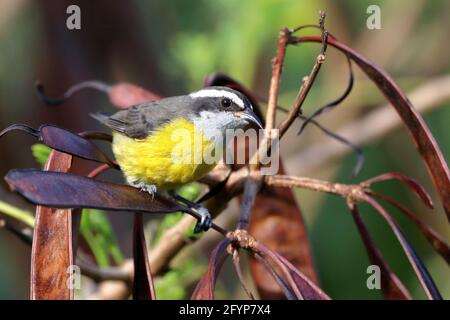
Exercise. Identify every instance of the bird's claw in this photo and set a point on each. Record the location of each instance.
(149, 188)
(205, 221)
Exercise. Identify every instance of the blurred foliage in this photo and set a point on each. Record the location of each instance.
(175, 282)
(41, 153)
(237, 39)
(97, 231)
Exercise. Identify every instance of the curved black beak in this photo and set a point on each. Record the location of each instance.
(249, 115)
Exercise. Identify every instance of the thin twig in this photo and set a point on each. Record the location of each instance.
(392, 287)
(91, 84)
(295, 110)
(286, 263)
(422, 273)
(103, 274)
(331, 105)
(240, 275)
(266, 252)
(251, 188)
(371, 127)
(277, 70)
(360, 159)
(97, 274)
(99, 170)
(343, 190)
(434, 238)
(278, 279)
(307, 82)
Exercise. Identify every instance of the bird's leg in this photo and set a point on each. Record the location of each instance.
(150, 188)
(205, 221)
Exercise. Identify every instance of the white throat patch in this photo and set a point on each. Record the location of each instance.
(213, 123)
(215, 93)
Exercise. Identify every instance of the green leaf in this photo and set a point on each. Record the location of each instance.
(97, 231)
(190, 191)
(172, 285)
(41, 153)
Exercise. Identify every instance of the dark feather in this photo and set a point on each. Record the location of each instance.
(105, 119)
(139, 120)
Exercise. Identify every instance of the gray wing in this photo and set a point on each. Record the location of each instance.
(139, 120)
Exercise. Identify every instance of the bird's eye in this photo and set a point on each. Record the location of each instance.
(226, 103)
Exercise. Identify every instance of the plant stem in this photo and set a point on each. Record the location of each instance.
(16, 213)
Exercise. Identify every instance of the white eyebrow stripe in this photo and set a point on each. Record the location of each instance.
(215, 93)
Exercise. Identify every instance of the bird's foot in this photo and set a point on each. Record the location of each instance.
(205, 221)
(149, 188)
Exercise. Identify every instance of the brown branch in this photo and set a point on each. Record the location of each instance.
(99, 170)
(277, 70)
(361, 193)
(122, 273)
(251, 188)
(253, 183)
(343, 190)
(307, 81)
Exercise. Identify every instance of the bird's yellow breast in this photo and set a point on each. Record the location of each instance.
(168, 158)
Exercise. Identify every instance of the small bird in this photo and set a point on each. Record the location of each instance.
(162, 145)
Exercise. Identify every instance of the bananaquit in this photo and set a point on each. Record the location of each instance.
(145, 138)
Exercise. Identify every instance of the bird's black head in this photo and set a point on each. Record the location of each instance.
(225, 101)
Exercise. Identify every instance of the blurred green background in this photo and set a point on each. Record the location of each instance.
(171, 46)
